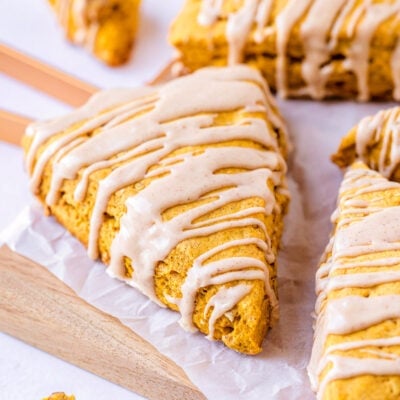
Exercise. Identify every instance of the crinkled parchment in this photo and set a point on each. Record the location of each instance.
(279, 372)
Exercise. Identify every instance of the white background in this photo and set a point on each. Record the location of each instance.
(30, 26)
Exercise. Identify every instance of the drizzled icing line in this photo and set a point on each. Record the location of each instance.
(377, 141)
(362, 228)
(133, 133)
(321, 26)
(76, 12)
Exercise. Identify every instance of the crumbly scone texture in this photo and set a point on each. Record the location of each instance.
(362, 188)
(245, 326)
(107, 28)
(59, 396)
(201, 45)
(375, 141)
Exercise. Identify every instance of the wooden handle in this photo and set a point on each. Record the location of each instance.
(43, 77)
(41, 310)
(167, 73)
(12, 127)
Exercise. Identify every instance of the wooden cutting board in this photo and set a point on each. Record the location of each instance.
(41, 310)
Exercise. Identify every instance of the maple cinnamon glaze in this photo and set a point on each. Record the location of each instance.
(313, 48)
(357, 335)
(204, 145)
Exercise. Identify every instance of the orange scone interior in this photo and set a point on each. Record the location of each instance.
(181, 189)
(106, 28)
(304, 48)
(356, 351)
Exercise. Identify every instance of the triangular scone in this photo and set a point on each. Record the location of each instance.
(181, 190)
(356, 352)
(106, 28)
(304, 48)
(375, 141)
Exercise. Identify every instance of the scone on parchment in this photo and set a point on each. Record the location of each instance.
(304, 48)
(106, 28)
(356, 352)
(181, 189)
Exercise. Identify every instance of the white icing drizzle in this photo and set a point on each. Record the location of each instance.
(222, 302)
(223, 271)
(132, 133)
(85, 29)
(262, 16)
(79, 11)
(357, 280)
(285, 22)
(322, 25)
(339, 22)
(210, 11)
(349, 367)
(239, 24)
(358, 56)
(314, 32)
(162, 236)
(363, 227)
(238, 28)
(91, 35)
(354, 313)
(356, 239)
(383, 132)
(354, 19)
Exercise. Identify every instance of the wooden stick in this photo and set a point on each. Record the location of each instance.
(12, 127)
(43, 77)
(50, 316)
(167, 73)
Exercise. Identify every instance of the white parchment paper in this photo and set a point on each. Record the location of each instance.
(279, 372)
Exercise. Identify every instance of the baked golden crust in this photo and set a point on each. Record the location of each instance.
(244, 326)
(105, 27)
(356, 351)
(320, 55)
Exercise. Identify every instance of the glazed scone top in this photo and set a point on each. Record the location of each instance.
(133, 133)
(375, 141)
(321, 26)
(383, 129)
(366, 240)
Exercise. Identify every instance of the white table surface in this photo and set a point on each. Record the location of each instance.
(29, 25)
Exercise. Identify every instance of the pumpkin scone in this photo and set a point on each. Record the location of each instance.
(181, 189)
(304, 48)
(106, 28)
(59, 396)
(375, 141)
(356, 351)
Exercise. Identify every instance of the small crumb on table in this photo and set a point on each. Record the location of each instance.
(59, 396)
